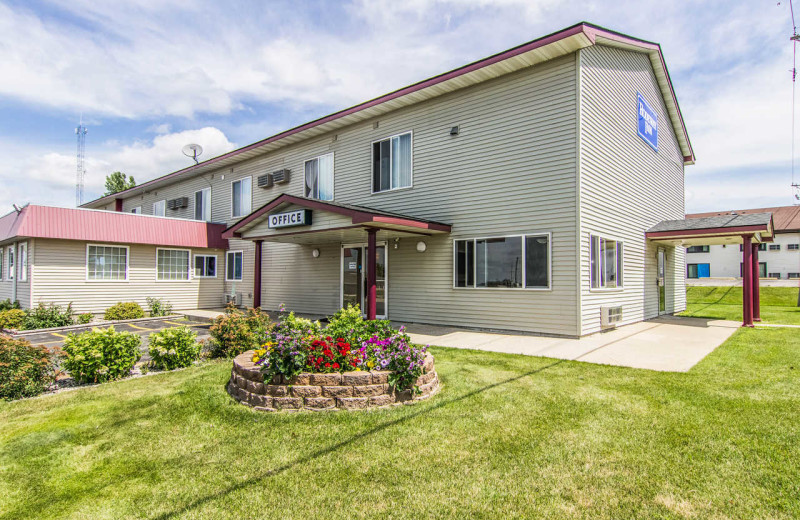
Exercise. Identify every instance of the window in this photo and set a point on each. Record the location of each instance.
(605, 258)
(762, 269)
(391, 163)
(172, 264)
(319, 177)
(202, 205)
(233, 266)
(761, 247)
(23, 262)
(160, 208)
(11, 262)
(774, 247)
(106, 263)
(137, 210)
(205, 266)
(793, 276)
(793, 247)
(241, 197)
(506, 262)
(697, 249)
(775, 275)
(2, 258)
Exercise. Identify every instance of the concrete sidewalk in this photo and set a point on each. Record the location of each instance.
(671, 344)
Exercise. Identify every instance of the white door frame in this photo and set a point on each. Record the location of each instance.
(363, 246)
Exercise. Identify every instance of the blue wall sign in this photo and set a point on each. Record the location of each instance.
(648, 123)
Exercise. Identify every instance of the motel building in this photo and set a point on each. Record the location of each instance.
(540, 190)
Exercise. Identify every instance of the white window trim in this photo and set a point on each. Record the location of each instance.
(11, 261)
(618, 288)
(165, 208)
(137, 210)
(216, 265)
(23, 268)
(372, 163)
(190, 267)
(209, 203)
(251, 196)
(233, 251)
(549, 287)
(127, 263)
(2, 264)
(333, 165)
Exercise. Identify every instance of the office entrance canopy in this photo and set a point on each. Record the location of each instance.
(749, 230)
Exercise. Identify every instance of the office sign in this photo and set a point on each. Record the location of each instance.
(300, 217)
(648, 123)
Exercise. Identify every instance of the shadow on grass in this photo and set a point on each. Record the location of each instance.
(718, 302)
(339, 445)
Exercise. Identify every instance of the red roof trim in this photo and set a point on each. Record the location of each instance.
(590, 31)
(719, 231)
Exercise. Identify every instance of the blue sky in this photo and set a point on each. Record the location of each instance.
(150, 76)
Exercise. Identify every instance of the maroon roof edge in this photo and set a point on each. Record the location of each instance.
(591, 32)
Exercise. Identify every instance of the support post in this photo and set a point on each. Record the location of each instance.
(372, 265)
(747, 281)
(756, 285)
(257, 275)
(117, 204)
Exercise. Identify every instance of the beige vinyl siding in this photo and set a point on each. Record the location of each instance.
(23, 289)
(60, 277)
(244, 288)
(625, 187)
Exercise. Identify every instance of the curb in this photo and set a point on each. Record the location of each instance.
(89, 326)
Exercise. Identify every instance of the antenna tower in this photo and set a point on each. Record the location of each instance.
(794, 39)
(80, 176)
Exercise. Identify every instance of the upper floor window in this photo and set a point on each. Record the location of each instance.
(137, 210)
(319, 177)
(697, 249)
(793, 247)
(761, 247)
(160, 208)
(391, 163)
(605, 259)
(106, 263)
(774, 247)
(202, 205)
(241, 196)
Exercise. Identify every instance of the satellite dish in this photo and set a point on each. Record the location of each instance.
(193, 150)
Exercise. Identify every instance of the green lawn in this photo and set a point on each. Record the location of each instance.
(778, 304)
(507, 437)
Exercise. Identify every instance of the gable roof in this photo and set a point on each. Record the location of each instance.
(543, 49)
(786, 218)
(109, 226)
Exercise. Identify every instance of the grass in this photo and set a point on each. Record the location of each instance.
(778, 304)
(508, 437)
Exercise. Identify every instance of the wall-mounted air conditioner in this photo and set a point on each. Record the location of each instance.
(610, 316)
(281, 176)
(235, 298)
(265, 181)
(180, 202)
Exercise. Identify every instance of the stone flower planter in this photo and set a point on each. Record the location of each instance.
(334, 391)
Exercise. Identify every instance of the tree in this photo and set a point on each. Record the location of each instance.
(118, 181)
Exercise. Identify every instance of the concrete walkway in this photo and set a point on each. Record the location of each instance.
(670, 344)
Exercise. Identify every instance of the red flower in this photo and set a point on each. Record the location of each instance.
(327, 365)
(336, 365)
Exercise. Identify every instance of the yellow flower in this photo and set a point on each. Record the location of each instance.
(371, 364)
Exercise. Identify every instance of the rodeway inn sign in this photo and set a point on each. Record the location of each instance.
(648, 123)
(300, 217)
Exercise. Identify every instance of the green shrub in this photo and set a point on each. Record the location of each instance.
(349, 323)
(85, 318)
(158, 307)
(25, 370)
(235, 331)
(97, 356)
(12, 319)
(124, 311)
(174, 348)
(48, 316)
(6, 305)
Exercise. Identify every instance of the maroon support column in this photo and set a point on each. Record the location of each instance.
(756, 285)
(117, 204)
(747, 281)
(372, 265)
(257, 275)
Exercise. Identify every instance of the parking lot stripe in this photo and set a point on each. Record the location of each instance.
(59, 335)
(137, 326)
(184, 324)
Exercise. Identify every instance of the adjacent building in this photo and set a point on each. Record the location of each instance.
(512, 193)
(779, 260)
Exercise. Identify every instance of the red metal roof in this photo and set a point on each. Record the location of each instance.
(786, 218)
(110, 226)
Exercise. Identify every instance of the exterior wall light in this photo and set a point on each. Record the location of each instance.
(315, 253)
(421, 246)
(396, 243)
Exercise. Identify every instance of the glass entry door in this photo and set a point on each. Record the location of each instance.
(354, 278)
(661, 280)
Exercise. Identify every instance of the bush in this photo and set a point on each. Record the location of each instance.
(85, 318)
(158, 307)
(349, 323)
(235, 331)
(25, 370)
(97, 356)
(174, 348)
(124, 311)
(12, 319)
(48, 316)
(7, 305)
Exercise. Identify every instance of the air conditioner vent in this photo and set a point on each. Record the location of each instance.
(265, 181)
(236, 299)
(280, 176)
(180, 202)
(610, 316)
